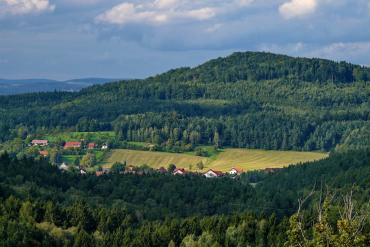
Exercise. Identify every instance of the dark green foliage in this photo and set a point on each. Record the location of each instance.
(155, 209)
(251, 100)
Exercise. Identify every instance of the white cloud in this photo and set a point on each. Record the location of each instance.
(297, 47)
(162, 12)
(244, 2)
(166, 4)
(19, 7)
(297, 8)
(126, 13)
(214, 28)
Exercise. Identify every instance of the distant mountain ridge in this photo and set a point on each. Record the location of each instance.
(19, 86)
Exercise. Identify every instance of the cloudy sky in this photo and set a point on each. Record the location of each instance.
(65, 39)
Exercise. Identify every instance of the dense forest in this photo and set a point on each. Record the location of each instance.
(43, 206)
(249, 100)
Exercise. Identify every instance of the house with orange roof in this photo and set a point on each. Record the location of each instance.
(72, 144)
(236, 171)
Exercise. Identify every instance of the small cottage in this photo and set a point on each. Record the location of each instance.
(236, 171)
(39, 142)
(213, 174)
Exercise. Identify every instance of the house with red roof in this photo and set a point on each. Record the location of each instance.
(72, 144)
(45, 153)
(39, 142)
(92, 145)
(236, 171)
(178, 169)
(162, 170)
(213, 174)
(99, 173)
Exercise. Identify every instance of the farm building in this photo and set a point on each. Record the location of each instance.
(72, 144)
(236, 171)
(213, 174)
(39, 142)
(63, 167)
(178, 169)
(162, 170)
(92, 145)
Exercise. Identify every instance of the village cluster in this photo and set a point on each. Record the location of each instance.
(68, 144)
(181, 171)
(234, 172)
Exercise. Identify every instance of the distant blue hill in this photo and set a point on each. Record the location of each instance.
(20, 86)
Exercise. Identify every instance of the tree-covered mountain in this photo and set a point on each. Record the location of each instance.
(250, 99)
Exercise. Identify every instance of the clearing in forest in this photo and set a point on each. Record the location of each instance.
(251, 159)
(152, 159)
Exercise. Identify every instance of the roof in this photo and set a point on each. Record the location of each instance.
(99, 173)
(44, 153)
(162, 170)
(91, 145)
(237, 169)
(40, 141)
(273, 169)
(218, 173)
(178, 169)
(72, 144)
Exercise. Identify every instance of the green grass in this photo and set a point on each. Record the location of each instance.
(138, 143)
(223, 160)
(70, 158)
(153, 159)
(249, 159)
(77, 136)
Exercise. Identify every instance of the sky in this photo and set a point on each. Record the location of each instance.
(66, 39)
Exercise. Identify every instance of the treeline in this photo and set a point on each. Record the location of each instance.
(37, 223)
(41, 203)
(261, 130)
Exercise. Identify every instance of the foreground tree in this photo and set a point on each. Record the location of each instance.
(349, 228)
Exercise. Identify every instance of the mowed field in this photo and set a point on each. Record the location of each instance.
(249, 159)
(152, 159)
(240, 158)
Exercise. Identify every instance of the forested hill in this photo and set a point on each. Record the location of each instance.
(251, 99)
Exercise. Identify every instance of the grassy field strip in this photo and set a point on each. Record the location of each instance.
(259, 159)
(152, 159)
(228, 158)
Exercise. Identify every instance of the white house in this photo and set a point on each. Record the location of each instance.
(105, 146)
(236, 171)
(213, 174)
(63, 167)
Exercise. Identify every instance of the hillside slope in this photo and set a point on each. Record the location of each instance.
(251, 99)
